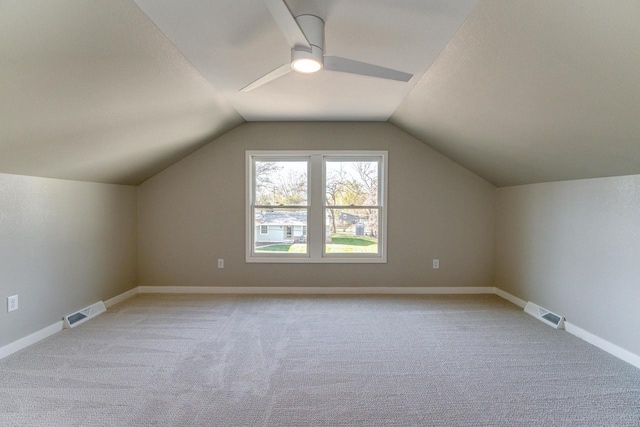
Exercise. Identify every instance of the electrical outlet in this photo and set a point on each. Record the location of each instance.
(220, 263)
(436, 264)
(12, 303)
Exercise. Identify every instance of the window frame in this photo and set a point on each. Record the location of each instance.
(316, 206)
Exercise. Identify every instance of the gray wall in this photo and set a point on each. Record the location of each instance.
(63, 245)
(574, 248)
(194, 212)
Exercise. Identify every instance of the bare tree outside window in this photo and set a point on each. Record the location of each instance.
(281, 183)
(353, 205)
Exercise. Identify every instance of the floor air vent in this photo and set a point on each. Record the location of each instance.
(74, 319)
(544, 315)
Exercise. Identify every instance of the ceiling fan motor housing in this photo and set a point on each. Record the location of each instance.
(313, 29)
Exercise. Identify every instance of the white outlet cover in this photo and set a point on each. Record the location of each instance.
(436, 264)
(12, 303)
(220, 263)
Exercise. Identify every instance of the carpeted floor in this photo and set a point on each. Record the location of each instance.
(180, 360)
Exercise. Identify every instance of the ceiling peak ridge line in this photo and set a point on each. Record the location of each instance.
(422, 140)
(187, 60)
(305, 35)
(433, 63)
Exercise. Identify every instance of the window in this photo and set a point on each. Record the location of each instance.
(312, 206)
(352, 205)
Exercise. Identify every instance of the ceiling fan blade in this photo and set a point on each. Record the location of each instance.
(287, 23)
(278, 72)
(336, 63)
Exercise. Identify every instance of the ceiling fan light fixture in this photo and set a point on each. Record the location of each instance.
(304, 61)
(306, 65)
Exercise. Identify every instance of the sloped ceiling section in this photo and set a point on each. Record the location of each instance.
(93, 91)
(535, 91)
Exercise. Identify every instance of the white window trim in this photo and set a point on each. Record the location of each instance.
(264, 234)
(316, 206)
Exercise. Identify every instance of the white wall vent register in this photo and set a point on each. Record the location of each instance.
(74, 319)
(544, 315)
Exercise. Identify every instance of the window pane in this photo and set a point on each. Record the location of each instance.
(284, 231)
(352, 231)
(352, 183)
(281, 182)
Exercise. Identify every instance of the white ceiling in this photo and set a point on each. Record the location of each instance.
(233, 43)
(523, 92)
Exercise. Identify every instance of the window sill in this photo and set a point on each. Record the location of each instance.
(309, 260)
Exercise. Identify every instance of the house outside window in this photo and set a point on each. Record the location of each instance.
(315, 206)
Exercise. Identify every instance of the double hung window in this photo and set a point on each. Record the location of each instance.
(313, 206)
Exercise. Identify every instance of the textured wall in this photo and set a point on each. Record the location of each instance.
(63, 245)
(573, 247)
(194, 212)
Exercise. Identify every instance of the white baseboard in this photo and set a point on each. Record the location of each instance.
(511, 298)
(30, 339)
(123, 296)
(56, 327)
(603, 344)
(284, 290)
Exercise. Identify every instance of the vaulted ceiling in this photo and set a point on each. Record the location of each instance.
(92, 91)
(517, 92)
(233, 43)
(535, 91)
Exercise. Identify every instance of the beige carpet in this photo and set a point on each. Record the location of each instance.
(167, 360)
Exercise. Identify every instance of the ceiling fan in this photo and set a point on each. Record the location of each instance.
(305, 35)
